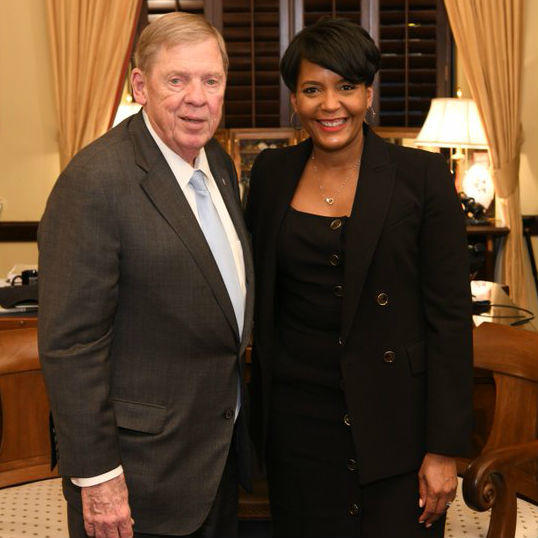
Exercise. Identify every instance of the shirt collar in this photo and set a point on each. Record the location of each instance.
(181, 169)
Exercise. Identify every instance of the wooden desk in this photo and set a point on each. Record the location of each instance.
(24, 320)
(24, 410)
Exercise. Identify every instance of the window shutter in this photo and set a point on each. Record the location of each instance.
(251, 32)
(160, 7)
(408, 74)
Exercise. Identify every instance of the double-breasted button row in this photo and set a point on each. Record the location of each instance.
(334, 260)
(352, 464)
(338, 290)
(389, 357)
(353, 510)
(229, 413)
(347, 420)
(382, 299)
(335, 224)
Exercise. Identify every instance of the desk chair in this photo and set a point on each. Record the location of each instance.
(24, 410)
(507, 465)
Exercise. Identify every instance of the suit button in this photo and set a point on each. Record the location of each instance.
(335, 224)
(389, 357)
(353, 510)
(340, 341)
(382, 299)
(347, 420)
(334, 260)
(338, 290)
(352, 465)
(229, 413)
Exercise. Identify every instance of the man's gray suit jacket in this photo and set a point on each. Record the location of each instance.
(137, 335)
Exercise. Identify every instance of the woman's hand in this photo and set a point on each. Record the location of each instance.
(437, 483)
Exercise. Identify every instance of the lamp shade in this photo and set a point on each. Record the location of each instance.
(452, 122)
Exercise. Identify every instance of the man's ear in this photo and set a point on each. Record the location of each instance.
(138, 83)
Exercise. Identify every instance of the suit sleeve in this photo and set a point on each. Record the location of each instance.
(444, 269)
(78, 293)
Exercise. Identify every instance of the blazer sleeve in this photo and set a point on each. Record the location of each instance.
(78, 293)
(444, 270)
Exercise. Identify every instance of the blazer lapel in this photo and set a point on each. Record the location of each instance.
(162, 188)
(286, 177)
(285, 185)
(372, 198)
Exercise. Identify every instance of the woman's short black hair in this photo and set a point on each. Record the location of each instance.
(340, 45)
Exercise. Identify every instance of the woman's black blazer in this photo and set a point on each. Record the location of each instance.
(406, 316)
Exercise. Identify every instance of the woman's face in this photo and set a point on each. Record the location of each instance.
(330, 108)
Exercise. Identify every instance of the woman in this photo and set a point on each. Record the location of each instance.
(362, 345)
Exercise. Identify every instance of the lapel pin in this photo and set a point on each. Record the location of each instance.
(223, 180)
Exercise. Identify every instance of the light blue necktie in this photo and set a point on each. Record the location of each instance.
(217, 240)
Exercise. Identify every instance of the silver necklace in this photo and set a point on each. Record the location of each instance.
(331, 198)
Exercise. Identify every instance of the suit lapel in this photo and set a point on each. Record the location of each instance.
(372, 198)
(162, 188)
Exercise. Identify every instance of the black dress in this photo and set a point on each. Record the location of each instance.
(312, 472)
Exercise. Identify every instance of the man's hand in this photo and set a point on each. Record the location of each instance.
(437, 483)
(106, 511)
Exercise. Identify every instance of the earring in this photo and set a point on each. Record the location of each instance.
(297, 126)
(371, 113)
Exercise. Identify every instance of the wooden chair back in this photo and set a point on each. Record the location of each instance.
(506, 466)
(511, 356)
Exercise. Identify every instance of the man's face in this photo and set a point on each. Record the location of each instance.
(182, 93)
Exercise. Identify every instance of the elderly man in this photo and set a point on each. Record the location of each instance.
(146, 305)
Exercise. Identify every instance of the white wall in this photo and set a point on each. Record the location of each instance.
(28, 127)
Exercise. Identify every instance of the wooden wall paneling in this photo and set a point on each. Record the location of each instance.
(18, 231)
(17, 321)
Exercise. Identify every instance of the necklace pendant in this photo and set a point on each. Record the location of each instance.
(329, 200)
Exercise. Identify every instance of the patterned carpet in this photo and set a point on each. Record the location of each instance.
(38, 509)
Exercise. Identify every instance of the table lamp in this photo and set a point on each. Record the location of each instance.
(453, 123)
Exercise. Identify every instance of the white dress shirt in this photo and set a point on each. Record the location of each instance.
(183, 171)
